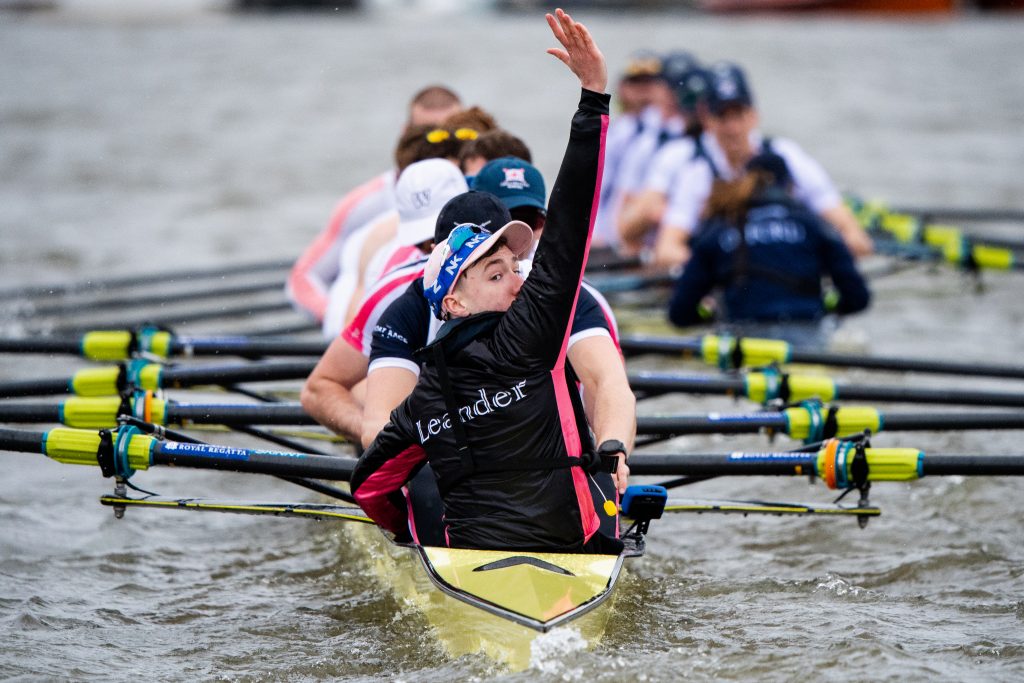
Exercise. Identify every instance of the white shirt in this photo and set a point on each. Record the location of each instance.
(689, 192)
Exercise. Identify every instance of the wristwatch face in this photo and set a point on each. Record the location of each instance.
(611, 446)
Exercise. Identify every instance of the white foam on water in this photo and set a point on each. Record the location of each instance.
(840, 586)
(548, 651)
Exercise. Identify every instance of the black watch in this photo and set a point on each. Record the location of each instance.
(612, 447)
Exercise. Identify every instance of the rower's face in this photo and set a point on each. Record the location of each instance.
(732, 129)
(491, 284)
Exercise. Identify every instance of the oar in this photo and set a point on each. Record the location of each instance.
(813, 422)
(171, 320)
(146, 279)
(770, 386)
(108, 345)
(122, 451)
(631, 282)
(949, 242)
(102, 412)
(164, 298)
(967, 215)
(311, 484)
(883, 464)
(730, 353)
(114, 380)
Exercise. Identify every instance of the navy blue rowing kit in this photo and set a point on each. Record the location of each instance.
(771, 272)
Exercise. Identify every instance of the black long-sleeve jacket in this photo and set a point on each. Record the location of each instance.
(513, 391)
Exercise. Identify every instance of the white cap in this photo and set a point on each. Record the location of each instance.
(420, 193)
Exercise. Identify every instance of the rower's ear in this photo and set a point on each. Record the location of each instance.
(453, 304)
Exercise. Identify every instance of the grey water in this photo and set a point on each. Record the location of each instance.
(158, 136)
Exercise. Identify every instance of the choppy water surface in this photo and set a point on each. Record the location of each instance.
(192, 137)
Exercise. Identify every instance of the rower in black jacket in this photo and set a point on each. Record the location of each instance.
(511, 466)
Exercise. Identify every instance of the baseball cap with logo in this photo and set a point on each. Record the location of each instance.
(421, 191)
(478, 208)
(465, 246)
(515, 182)
(728, 88)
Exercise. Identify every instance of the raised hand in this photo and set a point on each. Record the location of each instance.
(580, 54)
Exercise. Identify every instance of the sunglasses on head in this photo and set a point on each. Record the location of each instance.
(440, 135)
(462, 234)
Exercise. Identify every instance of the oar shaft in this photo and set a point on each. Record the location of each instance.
(764, 387)
(937, 367)
(763, 351)
(678, 425)
(79, 446)
(722, 464)
(247, 347)
(121, 344)
(21, 441)
(202, 456)
(182, 377)
(42, 345)
(247, 311)
(972, 465)
(962, 397)
(950, 213)
(238, 415)
(148, 278)
(37, 387)
(66, 308)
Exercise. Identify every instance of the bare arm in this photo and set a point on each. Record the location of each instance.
(843, 220)
(609, 402)
(332, 394)
(386, 388)
(672, 248)
(640, 214)
(580, 54)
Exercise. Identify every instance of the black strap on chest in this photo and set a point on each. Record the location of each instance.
(591, 461)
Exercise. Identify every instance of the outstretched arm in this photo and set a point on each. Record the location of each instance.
(580, 54)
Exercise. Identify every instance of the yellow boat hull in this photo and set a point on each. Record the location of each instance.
(496, 603)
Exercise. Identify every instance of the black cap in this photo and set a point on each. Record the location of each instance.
(479, 208)
(694, 87)
(774, 165)
(675, 65)
(728, 87)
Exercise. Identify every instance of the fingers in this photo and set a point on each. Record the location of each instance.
(621, 476)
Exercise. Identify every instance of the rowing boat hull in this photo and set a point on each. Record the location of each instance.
(503, 610)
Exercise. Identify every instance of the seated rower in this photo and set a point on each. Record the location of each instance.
(494, 410)
(768, 253)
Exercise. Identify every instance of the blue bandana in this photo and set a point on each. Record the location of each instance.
(455, 251)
